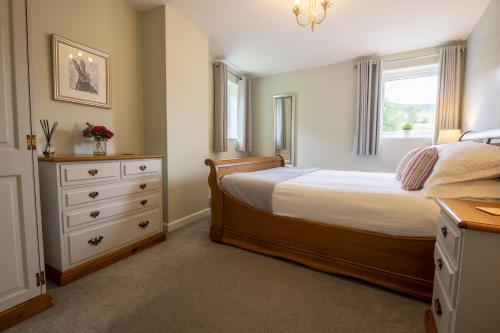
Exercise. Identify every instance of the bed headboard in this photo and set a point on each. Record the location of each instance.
(485, 136)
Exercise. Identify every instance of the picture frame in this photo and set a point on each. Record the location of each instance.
(80, 74)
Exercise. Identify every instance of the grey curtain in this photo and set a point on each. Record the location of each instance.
(244, 115)
(450, 89)
(368, 105)
(280, 122)
(220, 107)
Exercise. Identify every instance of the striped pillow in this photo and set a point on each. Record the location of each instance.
(404, 162)
(419, 168)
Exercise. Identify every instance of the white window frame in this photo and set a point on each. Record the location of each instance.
(229, 137)
(404, 74)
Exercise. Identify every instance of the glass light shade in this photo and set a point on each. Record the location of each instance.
(448, 136)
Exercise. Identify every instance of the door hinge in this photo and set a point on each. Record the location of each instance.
(40, 278)
(31, 142)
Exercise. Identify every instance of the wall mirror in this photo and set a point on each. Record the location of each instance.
(284, 127)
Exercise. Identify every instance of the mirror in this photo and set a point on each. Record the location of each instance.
(284, 127)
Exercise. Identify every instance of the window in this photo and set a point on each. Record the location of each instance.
(410, 96)
(232, 110)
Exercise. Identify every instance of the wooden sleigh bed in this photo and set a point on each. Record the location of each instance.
(403, 264)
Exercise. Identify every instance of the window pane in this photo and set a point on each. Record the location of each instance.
(232, 110)
(410, 100)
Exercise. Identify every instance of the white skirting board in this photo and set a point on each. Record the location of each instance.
(174, 225)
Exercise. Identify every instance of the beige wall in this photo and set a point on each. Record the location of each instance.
(154, 78)
(481, 107)
(112, 27)
(187, 64)
(325, 120)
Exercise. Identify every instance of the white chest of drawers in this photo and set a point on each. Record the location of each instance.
(466, 295)
(97, 210)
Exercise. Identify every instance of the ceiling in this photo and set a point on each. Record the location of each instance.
(261, 37)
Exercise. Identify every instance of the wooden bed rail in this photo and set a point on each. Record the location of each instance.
(221, 168)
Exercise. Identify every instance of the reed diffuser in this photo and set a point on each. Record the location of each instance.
(49, 150)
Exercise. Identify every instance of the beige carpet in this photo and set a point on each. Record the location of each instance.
(190, 284)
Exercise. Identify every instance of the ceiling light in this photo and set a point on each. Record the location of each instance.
(310, 12)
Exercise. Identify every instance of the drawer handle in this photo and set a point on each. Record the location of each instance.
(143, 224)
(95, 241)
(143, 167)
(440, 263)
(143, 186)
(95, 213)
(144, 202)
(93, 195)
(437, 307)
(444, 231)
(93, 172)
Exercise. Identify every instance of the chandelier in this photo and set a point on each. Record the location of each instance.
(310, 12)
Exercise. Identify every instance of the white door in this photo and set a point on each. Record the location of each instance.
(20, 258)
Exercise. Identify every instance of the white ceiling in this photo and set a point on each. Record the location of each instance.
(261, 37)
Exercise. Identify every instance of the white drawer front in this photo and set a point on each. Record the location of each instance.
(142, 167)
(449, 237)
(96, 193)
(89, 172)
(89, 243)
(100, 212)
(441, 309)
(447, 274)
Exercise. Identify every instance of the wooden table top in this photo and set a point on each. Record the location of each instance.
(84, 158)
(467, 216)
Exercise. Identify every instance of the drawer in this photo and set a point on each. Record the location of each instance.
(90, 243)
(72, 174)
(441, 309)
(79, 217)
(97, 193)
(447, 274)
(449, 237)
(142, 167)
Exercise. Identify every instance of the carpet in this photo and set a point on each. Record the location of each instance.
(190, 284)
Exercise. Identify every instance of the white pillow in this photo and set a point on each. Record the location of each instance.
(464, 161)
(477, 189)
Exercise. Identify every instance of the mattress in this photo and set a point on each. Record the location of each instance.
(359, 200)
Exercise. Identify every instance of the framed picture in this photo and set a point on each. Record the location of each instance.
(81, 74)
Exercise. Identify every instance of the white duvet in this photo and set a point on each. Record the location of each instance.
(359, 200)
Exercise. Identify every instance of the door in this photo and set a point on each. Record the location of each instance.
(20, 258)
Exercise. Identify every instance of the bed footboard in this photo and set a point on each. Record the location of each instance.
(221, 168)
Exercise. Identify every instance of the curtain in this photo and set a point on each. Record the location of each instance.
(450, 89)
(244, 115)
(280, 142)
(368, 105)
(220, 107)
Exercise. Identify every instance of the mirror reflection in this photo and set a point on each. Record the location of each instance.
(283, 110)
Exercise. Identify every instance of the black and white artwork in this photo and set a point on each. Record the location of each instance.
(81, 74)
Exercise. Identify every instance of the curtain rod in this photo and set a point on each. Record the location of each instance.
(410, 58)
(239, 77)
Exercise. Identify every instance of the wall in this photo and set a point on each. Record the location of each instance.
(154, 78)
(109, 26)
(481, 107)
(187, 65)
(325, 120)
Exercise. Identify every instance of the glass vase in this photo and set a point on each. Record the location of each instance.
(49, 150)
(100, 146)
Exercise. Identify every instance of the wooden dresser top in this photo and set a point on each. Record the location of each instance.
(85, 158)
(465, 214)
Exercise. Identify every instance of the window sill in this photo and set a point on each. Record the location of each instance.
(404, 136)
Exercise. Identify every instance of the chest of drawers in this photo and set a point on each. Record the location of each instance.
(97, 210)
(466, 296)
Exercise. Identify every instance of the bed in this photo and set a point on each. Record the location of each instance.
(390, 247)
